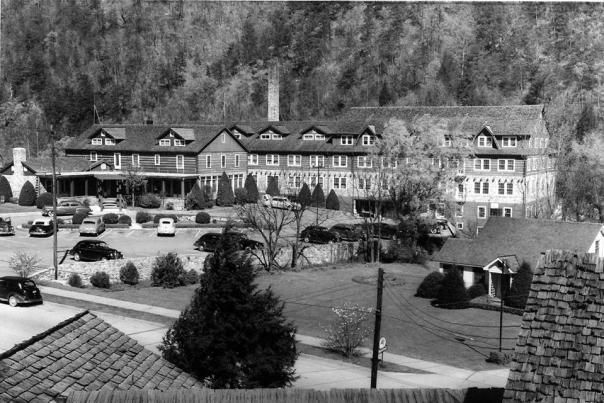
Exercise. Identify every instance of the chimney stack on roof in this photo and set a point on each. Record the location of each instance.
(273, 93)
(19, 156)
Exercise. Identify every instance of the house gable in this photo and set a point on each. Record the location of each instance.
(485, 140)
(224, 142)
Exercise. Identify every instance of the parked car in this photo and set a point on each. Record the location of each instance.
(166, 226)
(318, 234)
(94, 250)
(6, 226)
(19, 290)
(208, 242)
(385, 231)
(67, 207)
(347, 232)
(281, 202)
(43, 226)
(92, 226)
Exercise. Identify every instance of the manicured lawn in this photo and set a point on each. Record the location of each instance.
(8, 208)
(411, 325)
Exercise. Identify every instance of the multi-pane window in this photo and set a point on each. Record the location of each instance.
(339, 161)
(109, 142)
(368, 140)
(272, 159)
(365, 183)
(459, 210)
(181, 143)
(389, 162)
(97, 141)
(295, 181)
(136, 161)
(117, 160)
(459, 225)
(157, 159)
(460, 190)
(294, 160)
(509, 188)
(484, 141)
(237, 159)
(501, 188)
(180, 162)
(339, 182)
(308, 136)
(317, 161)
(364, 162)
(481, 187)
(507, 211)
(277, 136)
(447, 141)
(313, 181)
(509, 141)
(347, 140)
(252, 159)
(482, 164)
(93, 156)
(482, 212)
(164, 142)
(222, 161)
(265, 136)
(505, 165)
(208, 161)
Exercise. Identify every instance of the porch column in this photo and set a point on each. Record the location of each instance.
(163, 187)
(171, 187)
(71, 188)
(85, 186)
(182, 188)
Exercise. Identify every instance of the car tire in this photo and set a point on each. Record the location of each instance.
(12, 301)
(76, 257)
(306, 239)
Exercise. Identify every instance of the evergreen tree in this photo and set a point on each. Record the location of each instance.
(332, 202)
(233, 335)
(251, 189)
(27, 197)
(452, 293)
(304, 197)
(521, 286)
(5, 189)
(273, 186)
(225, 195)
(318, 197)
(195, 199)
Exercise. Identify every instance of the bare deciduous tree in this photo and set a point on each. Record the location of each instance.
(24, 263)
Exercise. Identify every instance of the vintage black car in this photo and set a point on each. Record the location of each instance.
(318, 234)
(6, 226)
(67, 207)
(94, 250)
(43, 226)
(19, 290)
(208, 242)
(347, 232)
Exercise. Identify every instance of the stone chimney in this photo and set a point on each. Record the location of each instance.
(273, 93)
(19, 156)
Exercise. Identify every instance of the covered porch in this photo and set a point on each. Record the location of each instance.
(499, 274)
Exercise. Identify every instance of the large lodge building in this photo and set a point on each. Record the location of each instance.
(509, 174)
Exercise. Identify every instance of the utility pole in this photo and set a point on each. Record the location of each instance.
(319, 166)
(54, 204)
(504, 271)
(376, 332)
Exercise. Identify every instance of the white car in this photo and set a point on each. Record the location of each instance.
(166, 226)
(279, 202)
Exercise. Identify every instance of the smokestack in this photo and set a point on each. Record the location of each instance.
(19, 156)
(273, 93)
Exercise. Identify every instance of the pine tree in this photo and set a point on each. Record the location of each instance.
(521, 286)
(5, 189)
(225, 195)
(251, 189)
(233, 335)
(27, 197)
(304, 197)
(332, 202)
(195, 199)
(452, 293)
(273, 186)
(318, 197)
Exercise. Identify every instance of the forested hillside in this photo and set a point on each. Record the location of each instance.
(190, 61)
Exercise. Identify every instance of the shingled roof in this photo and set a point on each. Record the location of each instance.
(558, 355)
(83, 353)
(525, 238)
(62, 164)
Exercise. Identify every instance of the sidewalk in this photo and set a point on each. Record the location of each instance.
(439, 375)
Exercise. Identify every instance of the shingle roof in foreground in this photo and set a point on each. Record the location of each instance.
(83, 353)
(559, 352)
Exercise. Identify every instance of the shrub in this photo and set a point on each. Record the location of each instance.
(45, 199)
(318, 197)
(225, 195)
(129, 273)
(14, 200)
(389, 255)
(208, 193)
(195, 199)
(77, 218)
(169, 206)
(202, 218)
(349, 330)
(251, 189)
(160, 216)
(124, 219)
(430, 285)
(332, 202)
(24, 263)
(27, 197)
(452, 293)
(100, 279)
(304, 197)
(86, 202)
(521, 286)
(110, 218)
(142, 217)
(5, 189)
(240, 196)
(75, 280)
(272, 187)
(167, 271)
(191, 277)
(149, 200)
(476, 290)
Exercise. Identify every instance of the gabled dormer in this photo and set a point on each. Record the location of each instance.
(315, 133)
(273, 133)
(485, 139)
(108, 136)
(176, 137)
(240, 131)
(368, 136)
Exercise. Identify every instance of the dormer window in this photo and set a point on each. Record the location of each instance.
(109, 141)
(346, 140)
(265, 136)
(508, 141)
(237, 134)
(484, 141)
(164, 142)
(179, 143)
(368, 140)
(277, 136)
(97, 141)
(447, 141)
(313, 135)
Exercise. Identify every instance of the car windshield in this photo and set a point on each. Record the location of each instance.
(166, 221)
(100, 245)
(39, 222)
(88, 222)
(28, 284)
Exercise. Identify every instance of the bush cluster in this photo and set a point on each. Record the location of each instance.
(124, 219)
(45, 199)
(77, 218)
(202, 218)
(110, 218)
(5, 189)
(521, 286)
(142, 217)
(75, 280)
(318, 196)
(452, 293)
(332, 202)
(191, 277)
(100, 279)
(160, 216)
(149, 200)
(27, 197)
(349, 330)
(251, 189)
(240, 196)
(129, 273)
(225, 195)
(197, 199)
(476, 290)
(168, 271)
(430, 286)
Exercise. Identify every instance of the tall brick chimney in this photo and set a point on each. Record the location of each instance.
(19, 156)
(273, 93)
